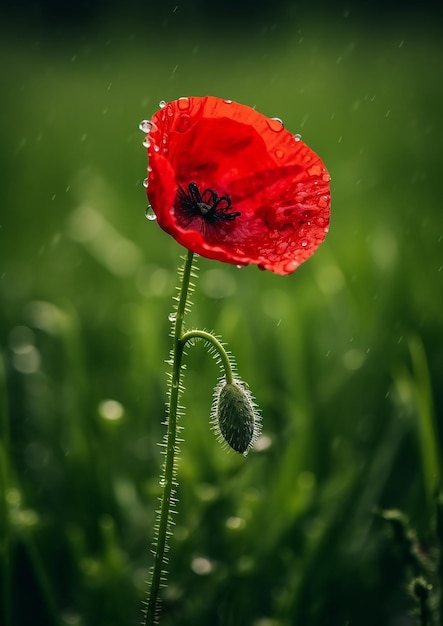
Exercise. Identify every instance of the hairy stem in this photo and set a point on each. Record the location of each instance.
(217, 345)
(171, 438)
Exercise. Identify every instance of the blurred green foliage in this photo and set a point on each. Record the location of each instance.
(344, 357)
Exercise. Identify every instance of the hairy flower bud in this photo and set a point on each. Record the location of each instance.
(234, 415)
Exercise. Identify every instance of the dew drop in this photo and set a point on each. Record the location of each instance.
(290, 266)
(275, 124)
(320, 222)
(145, 183)
(323, 202)
(297, 137)
(149, 213)
(183, 123)
(279, 154)
(156, 148)
(145, 126)
(183, 104)
(146, 143)
(227, 101)
(162, 104)
(172, 316)
(304, 244)
(315, 170)
(239, 267)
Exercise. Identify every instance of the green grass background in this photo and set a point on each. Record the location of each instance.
(344, 357)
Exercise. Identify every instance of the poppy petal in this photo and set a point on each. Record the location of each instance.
(230, 184)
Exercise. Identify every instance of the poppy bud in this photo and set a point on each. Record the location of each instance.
(234, 415)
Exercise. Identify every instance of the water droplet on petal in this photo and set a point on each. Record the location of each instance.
(282, 246)
(239, 267)
(156, 148)
(315, 170)
(146, 143)
(145, 183)
(172, 316)
(162, 104)
(279, 154)
(183, 123)
(321, 222)
(227, 101)
(145, 126)
(304, 244)
(297, 137)
(275, 124)
(323, 202)
(290, 266)
(326, 177)
(183, 104)
(149, 213)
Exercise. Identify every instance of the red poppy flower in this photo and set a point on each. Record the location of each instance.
(231, 184)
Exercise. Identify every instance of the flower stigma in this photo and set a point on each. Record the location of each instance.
(209, 205)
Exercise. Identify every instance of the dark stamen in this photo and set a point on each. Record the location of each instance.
(209, 205)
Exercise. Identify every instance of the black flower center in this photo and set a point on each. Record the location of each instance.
(208, 205)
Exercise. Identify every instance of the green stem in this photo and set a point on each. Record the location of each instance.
(209, 338)
(171, 438)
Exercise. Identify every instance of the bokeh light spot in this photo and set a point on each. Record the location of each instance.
(111, 410)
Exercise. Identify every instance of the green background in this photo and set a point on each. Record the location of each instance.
(344, 357)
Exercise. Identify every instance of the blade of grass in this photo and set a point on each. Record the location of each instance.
(427, 427)
(5, 536)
